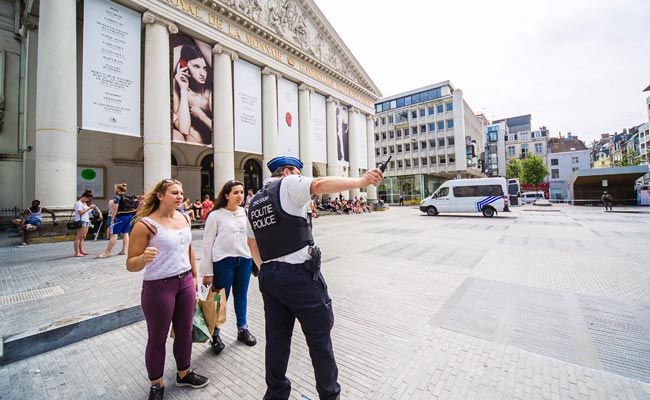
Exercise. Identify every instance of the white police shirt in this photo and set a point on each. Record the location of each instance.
(295, 199)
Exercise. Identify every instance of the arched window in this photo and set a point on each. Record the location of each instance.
(207, 176)
(252, 175)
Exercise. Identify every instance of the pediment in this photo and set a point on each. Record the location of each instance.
(302, 24)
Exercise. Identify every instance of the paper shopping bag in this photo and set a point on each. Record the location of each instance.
(200, 332)
(214, 308)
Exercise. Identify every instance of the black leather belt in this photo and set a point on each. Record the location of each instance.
(182, 274)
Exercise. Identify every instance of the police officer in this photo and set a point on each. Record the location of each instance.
(281, 243)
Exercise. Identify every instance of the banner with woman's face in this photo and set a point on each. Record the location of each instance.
(342, 135)
(191, 90)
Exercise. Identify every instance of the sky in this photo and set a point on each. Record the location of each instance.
(576, 66)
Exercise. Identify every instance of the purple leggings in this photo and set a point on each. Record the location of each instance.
(165, 301)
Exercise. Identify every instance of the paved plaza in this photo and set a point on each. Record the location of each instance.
(539, 303)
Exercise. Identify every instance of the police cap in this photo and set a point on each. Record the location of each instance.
(281, 161)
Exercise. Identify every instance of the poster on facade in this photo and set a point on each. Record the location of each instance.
(362, 139)
(247, 86)
(110, 97)
(318, 127)
(288, 125)
(91, 178)
(191, 90)
(342, 135)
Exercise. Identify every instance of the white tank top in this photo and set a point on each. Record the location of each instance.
(173, 252)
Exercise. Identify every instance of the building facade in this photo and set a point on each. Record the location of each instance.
(566, 156)
(202, 91)
(432, 135)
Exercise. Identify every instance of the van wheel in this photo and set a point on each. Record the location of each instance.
(488, 212)
(431, 211)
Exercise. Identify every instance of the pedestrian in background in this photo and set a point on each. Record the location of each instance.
(109, 219)
(32, 218)
(162, 246)
(123, 210)
(207, 206)
(607, 200)
(226, 261)
(82, 214)
(292, 286)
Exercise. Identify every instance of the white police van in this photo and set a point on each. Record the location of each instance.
(484, 195)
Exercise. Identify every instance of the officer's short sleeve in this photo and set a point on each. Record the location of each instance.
(295, 194)
(249, 229)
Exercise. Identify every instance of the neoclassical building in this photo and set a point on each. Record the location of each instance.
(98, 92)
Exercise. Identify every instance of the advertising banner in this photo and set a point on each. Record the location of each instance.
(110, 98)
(288, 126)
(342, 135)
(191, 90)
(362, 139)
(318, 128)
(247, 84)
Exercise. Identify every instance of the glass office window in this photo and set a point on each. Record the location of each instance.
(450, 106)
(441, 125)
(431, 110)
(450, 140)
(439, 108)
(432, 127)
(450, 123)
(422, 112)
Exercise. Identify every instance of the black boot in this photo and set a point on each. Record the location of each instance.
(217, 344)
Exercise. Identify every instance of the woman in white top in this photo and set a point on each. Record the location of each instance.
(109, 220)
(161, 244)
(227, 260)
(81, 211)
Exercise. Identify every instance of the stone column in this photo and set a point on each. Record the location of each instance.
(304, 116)
(332, 149)
(354, 145)
(224, 126)
(29, 33)
(269, 117)
(157, 121)
(55, 146)
(370, 137)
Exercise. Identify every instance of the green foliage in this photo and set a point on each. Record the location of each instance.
(533, 170)
(513, 169)
(630, 158)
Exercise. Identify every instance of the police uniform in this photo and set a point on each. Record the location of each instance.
(292, 287)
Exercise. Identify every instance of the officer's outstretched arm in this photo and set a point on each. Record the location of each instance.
(255, 252)
(333, 184)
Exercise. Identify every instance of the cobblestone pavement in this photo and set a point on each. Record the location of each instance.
(543, 302)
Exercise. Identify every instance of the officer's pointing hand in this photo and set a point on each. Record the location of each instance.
(373, 177)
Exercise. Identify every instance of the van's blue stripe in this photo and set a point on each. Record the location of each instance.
(486, 201)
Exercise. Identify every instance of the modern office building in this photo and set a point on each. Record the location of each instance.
(566, 156)
(495, 149)
(432, 135)
(98, 92)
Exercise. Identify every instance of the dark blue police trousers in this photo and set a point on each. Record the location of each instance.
(290, 292)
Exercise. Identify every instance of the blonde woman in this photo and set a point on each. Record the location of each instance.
(161, 245)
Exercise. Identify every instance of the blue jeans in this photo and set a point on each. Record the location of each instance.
(234, 272)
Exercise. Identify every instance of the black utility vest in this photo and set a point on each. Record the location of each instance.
(276, 232)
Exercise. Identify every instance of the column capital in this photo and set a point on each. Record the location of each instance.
(269, 71)
(332, 100)
(30, 21)
(150, 18)
(220, 49)
(306, 87)
(370, 118)
(354, 110)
